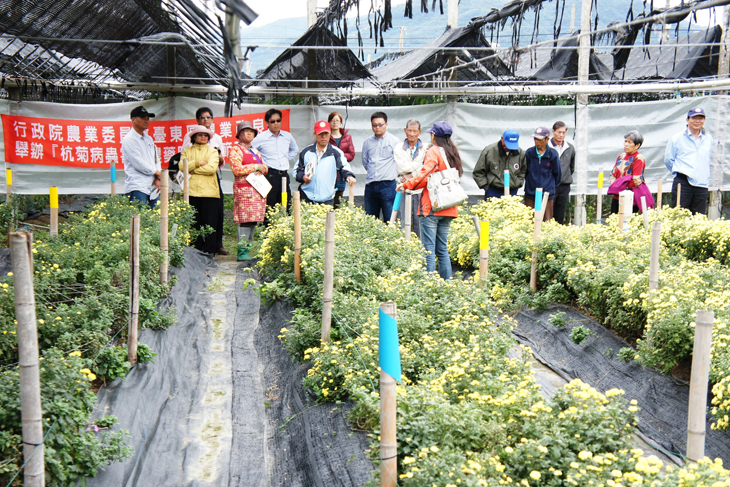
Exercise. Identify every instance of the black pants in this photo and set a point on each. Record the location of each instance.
(206, 213)
(693, 198)
(562, 196)
(274, 197)
(614, 207)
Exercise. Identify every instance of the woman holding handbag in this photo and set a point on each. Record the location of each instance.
(442, 155)
(249, 205)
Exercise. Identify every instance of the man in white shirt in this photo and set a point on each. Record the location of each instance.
(141, 165)
(408, 162)
(204, 116)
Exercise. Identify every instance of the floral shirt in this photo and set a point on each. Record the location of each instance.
(633, 164)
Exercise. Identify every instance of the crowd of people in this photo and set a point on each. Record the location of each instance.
(394, 164)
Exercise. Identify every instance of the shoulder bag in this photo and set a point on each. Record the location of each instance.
(444, 187)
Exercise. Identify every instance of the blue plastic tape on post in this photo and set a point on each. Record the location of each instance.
(114, 173)
(388, 344)
(538, 199)
(506, 180)
(396, 203)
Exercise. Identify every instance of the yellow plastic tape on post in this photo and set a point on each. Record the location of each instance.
(600, 179)
(54, 196)
(484, 235)
(283, 199)
(9, 177)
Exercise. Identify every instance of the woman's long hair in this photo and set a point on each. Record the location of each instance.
(452, 152)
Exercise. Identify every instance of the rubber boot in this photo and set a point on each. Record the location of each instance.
(243, 254)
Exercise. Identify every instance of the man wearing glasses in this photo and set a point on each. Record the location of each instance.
(278, 148)
(204, 116)
(379, 163)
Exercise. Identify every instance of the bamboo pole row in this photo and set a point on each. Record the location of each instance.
(164, 224)
(542, 199)
(133, 289)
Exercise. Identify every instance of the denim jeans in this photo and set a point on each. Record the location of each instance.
(434, 233)
(380, 195)
(142, 198)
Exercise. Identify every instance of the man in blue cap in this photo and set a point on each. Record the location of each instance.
(504, 154)
(688, 157)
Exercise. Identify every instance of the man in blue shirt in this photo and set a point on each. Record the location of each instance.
(688, 157)
(318, 166)
(278, 148)
(379, 163)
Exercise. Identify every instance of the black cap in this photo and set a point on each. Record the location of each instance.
(141, 111)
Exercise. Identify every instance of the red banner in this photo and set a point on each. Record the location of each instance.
(94, 144)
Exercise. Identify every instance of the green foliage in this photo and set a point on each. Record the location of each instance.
(580, 333)
(144, 354)
(626, 354)
(112, 363)
(558, 319)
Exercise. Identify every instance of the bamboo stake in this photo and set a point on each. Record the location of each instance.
(679, 195)
(352, 194)
(133, 289)
(388, 438)
(599, 197)
(113, 177)
(713, 211)
(284, 194)
(659, 195)
(643, 212)
(396, 207)
(696, 414)
(30, 388)
(54, 210)
(297, 208)
(656, 235)
(506, 182)
(9, 198)
(477, 225)
(329, 264)
(539, 215)
(484, 252)
(164, 224)
(186, 174)
(407, 215)
(621, 202)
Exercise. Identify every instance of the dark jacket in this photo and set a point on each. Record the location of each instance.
(346, 145)
(492, 162)
(567, 162)
(542, 172)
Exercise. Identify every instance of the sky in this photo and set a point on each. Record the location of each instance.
(271, 10)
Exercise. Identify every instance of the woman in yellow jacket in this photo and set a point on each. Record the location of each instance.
(435, 225)
(203, 162)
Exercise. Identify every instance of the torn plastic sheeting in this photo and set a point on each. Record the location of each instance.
(154, 401)
(662, 401)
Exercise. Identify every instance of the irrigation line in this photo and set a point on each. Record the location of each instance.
(33, 453)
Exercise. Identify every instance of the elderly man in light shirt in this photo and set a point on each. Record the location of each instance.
(379, 162)
(141, 165)
(204, 116)
(408, 161)
(278, 148)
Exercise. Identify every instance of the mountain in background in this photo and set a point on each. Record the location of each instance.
(424, 27)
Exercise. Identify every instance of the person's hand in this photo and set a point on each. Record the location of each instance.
(351, 180)
(157, 184)
(221, 160)
(306, 179)
(399, 188)
(202, 163)
(263, 169)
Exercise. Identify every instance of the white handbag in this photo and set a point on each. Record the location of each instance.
(444, 187)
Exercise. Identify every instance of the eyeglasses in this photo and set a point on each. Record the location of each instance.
(378, 125)
(274, 121)
(206, 118)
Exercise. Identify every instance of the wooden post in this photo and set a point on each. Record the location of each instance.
(679, 195)
(284, 194)
(643, 212)
(54, 210)
(297, 209)
(113, 177)
(621, 217)
(659, 195)
(396, 207)
(352, 194)
(30, 388)
(388, 438)
(713, 211)
(506, 182)
(329, 265)
(656, 235)
(164, 223)
(186, 180)
(599, 197)
(133, 289)
(696, 414)
(477, 225)
(484, 252)
(407, 208)
(539, 215)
